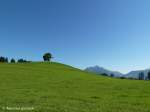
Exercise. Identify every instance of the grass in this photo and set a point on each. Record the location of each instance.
(54, 87)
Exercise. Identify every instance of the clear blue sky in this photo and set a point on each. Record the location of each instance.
(111, 33)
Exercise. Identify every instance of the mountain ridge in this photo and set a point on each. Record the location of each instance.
(100, 70)
(132, 74)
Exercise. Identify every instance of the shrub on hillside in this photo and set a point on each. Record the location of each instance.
(141, 76)
(122, 77)
(22, 61)
(148, 75)
(112, 75)
(104, 74)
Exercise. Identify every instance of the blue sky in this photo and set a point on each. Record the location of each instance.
(114, 34)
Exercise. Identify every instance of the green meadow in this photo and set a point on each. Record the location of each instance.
(54, 87)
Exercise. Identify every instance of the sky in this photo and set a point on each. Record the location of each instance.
(114, 34)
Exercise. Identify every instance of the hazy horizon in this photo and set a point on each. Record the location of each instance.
(113, 34)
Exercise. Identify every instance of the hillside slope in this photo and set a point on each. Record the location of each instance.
(54, 87)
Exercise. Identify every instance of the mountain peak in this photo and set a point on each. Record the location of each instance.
(100, 70)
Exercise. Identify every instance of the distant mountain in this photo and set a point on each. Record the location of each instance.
(135, 74)
(132, 74)
(101, 70)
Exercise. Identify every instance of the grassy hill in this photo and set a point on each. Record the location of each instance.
(54, 87)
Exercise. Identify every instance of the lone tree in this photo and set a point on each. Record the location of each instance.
(141, 76)
(47, 57)
(12, 60)
(148, 75)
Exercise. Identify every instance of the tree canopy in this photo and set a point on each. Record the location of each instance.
(47, 57)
